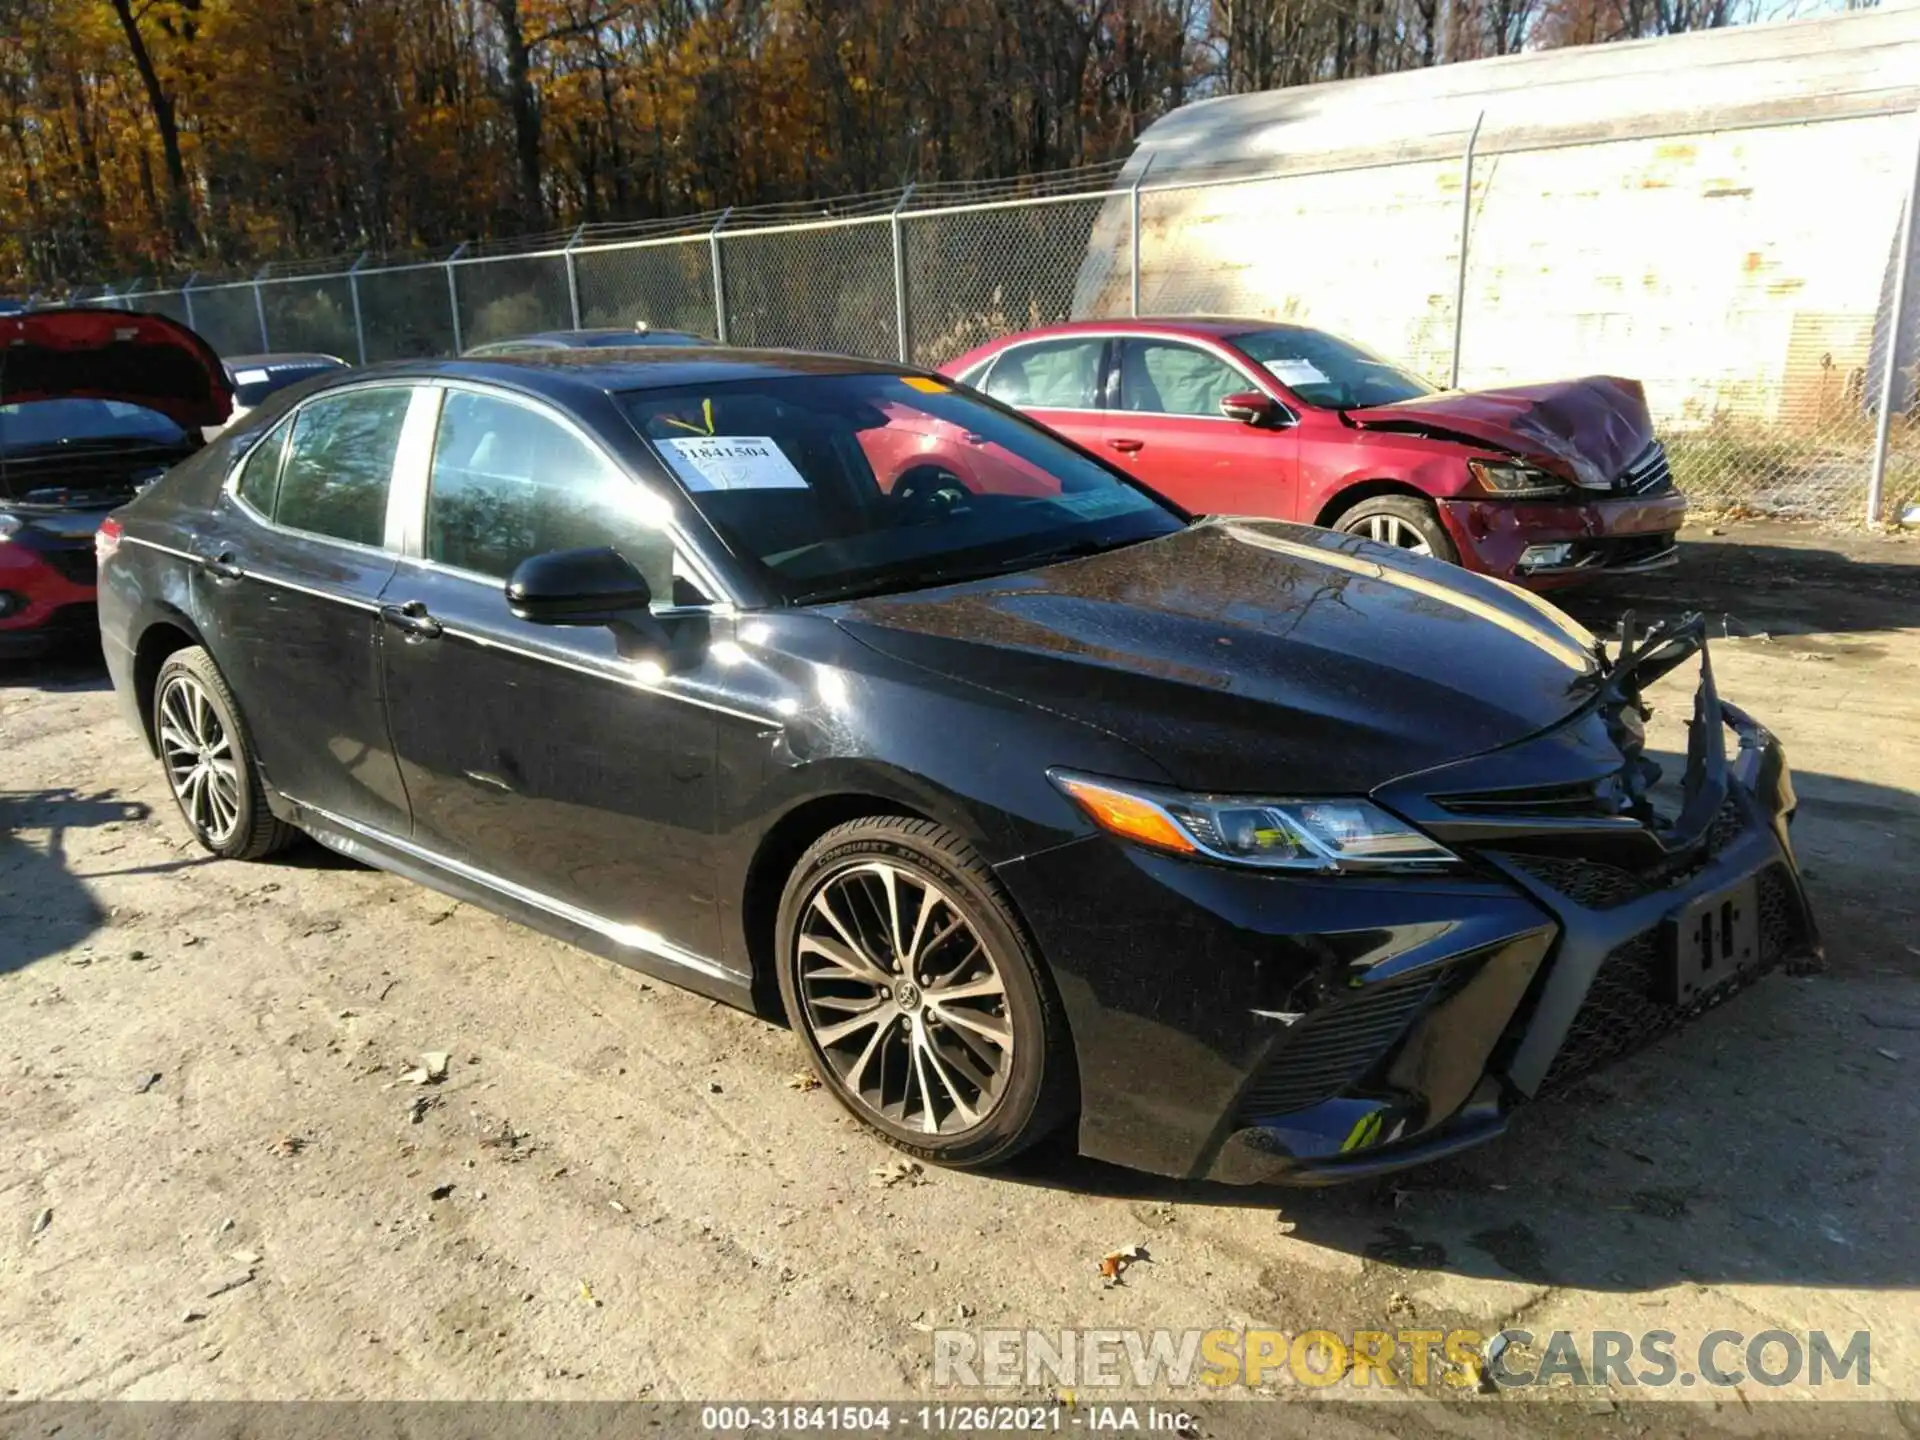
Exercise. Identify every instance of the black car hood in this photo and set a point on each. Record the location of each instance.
(93, 354)
(1250, 656)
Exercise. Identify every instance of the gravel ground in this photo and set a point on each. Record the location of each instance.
(217, 1180)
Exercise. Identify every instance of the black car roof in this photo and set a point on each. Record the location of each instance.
(558, 373)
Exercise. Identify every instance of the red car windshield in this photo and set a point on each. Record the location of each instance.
(841, 485)
(1326, 371)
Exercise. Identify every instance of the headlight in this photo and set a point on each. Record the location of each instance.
(1513, 480)
(10, 526)
(1271, 834)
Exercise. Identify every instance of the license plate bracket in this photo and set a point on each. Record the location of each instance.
(1712, 939)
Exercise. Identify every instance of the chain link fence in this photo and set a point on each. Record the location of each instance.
(667, 284)
(511, 295)
(1762, 283)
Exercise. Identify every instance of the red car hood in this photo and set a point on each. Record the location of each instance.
(89, 354)
(1586, 431)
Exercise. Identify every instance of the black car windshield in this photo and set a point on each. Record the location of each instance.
(1327, 371)
(38, 424)
(842, 485)
(254, 383)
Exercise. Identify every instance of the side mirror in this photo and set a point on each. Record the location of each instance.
(1250, 407)
(577, 587)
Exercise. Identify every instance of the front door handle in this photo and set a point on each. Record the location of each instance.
(413, 619)
(1128, 447)
(222, 566)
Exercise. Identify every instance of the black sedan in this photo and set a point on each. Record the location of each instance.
(812, 684)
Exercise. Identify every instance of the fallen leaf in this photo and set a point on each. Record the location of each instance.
(1114, 1264)
(586, 1294)
(896, 1172)
(289, 1145)
(803, 1080)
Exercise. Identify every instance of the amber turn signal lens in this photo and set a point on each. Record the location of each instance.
(1128, 816)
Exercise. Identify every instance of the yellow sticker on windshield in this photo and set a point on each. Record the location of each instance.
(924, 386)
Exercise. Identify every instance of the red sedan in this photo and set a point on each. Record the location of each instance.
(1541, 484)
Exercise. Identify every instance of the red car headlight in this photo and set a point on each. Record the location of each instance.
(1511, 480)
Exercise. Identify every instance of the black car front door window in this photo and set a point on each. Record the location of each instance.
(509, 482)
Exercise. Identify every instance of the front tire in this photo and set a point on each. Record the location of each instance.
(1402, 522)
(209, 761)
(909, 979)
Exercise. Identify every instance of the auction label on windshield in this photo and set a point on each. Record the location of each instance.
(732, 462)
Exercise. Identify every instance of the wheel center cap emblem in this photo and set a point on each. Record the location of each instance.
(907, 994)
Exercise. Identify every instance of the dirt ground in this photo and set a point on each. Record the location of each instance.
(216, 1180)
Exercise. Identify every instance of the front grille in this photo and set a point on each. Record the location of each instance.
(1623, 1010)
(78, 565)
(1576, 800)
(1649, 474)
(1596, 886)
(1334, 1046)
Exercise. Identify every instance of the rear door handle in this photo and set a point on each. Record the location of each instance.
(1128, 447)
(412, 618)
(222, 566)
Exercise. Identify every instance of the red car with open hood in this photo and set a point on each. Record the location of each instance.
(1540, 484)
(94, 404)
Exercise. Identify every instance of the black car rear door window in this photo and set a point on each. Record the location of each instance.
(339, 464)
(509, 482)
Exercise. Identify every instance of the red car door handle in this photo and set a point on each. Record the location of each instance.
(1127, 447)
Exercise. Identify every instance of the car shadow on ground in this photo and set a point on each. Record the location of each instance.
(1766, 1143)
(1766, 580)
(48, 906)
(74, 668)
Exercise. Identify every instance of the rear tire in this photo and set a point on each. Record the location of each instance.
(1402, 522)
(921, 1003)
(208, 757)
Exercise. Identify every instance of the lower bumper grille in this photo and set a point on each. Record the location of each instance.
(1333, 1047)
(1623, 1011)
(77, 565)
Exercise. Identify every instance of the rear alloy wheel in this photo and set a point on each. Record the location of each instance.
(1402, 522)
(906, 974)
(209, 763)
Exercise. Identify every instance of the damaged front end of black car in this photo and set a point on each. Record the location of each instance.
(1359, 1023)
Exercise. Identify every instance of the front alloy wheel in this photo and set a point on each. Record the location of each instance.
(910, 980)
(904, 1000)
(1402, 521)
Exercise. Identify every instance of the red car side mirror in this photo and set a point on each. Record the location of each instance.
(1250, 407)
